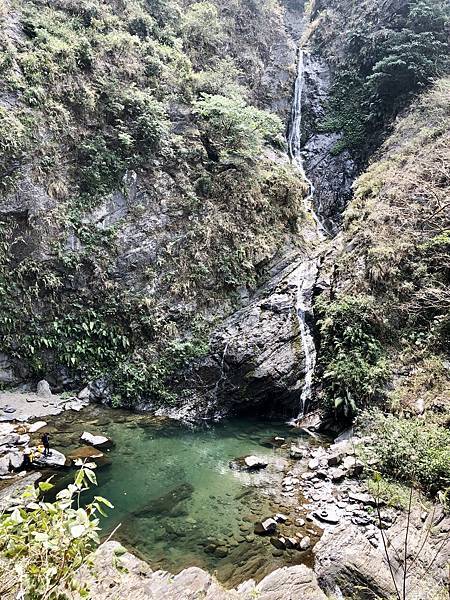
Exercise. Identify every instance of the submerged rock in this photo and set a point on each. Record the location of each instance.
(248, 463)
(85, 452)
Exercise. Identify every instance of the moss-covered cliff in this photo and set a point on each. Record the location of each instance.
(386, 318)
(142, 188)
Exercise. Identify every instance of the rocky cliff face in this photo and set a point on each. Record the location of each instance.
(130, 231)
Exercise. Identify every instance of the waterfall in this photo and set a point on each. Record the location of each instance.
(295, 141)
(306, 274)
(305, 278)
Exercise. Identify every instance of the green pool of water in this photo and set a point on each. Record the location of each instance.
(176, 498)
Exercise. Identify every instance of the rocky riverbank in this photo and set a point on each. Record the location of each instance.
(307, 520)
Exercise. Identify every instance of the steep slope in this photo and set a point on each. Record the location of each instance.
(386, 316)
(144, 194)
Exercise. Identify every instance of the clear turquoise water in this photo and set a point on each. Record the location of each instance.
(175, 496)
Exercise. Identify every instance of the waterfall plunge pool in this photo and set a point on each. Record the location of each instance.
(178, 502)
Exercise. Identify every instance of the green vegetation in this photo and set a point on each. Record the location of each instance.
(45, 544)
(411, 450)
(234, 130)
(396, 235)
(149, 104)
(352, 361)
(387, 54)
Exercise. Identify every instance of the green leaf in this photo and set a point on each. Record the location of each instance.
(45, 486)
(104, 501)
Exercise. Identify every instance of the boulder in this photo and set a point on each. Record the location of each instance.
(248, 463)
(9, 439)
(36, 426)
(4, 465)
(99, 441)
(253, 462)
(76, 404)
(84, 394)
(11, 495)
(265, 527)
(43, 389)
(55, 459)
(16, 460)
(85, 452)
(313, 464)
(305, 543)
(297, 453)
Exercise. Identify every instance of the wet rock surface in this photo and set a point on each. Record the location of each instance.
(136, 579)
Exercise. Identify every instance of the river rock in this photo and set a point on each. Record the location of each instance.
(362, 498)
(43, 389)
(291, 543)
(99, 441)
(305, 543)
(354, 466)
(313, 464)
(248, 463)
(327, 516)
(280, 518)
(278, 542)
(221, 551)
(55, 459)
(36, 426)
(265, 527)
(297, 453)
(85, 452)
(337, 474)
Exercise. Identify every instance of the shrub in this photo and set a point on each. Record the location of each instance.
(46, 543)
(352, 357)
(410, 450)
(233, 129)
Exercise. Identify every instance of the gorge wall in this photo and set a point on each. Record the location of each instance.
(154, 228)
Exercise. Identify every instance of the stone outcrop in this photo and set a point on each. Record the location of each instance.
(345, 557)
(136, 580)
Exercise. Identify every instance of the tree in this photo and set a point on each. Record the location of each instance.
(232, 130)
(44, 544)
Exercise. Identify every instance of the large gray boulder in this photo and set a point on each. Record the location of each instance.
(344, 556)
(137, 580)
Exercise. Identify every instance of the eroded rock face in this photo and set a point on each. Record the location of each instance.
(332, 174)
(344, 555)
(136, 580)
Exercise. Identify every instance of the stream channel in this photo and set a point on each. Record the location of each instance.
(178, 501)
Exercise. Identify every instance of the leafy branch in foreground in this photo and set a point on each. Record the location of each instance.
(44, 544)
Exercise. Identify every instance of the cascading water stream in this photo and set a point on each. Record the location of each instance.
(307, 272)
(295, 141)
